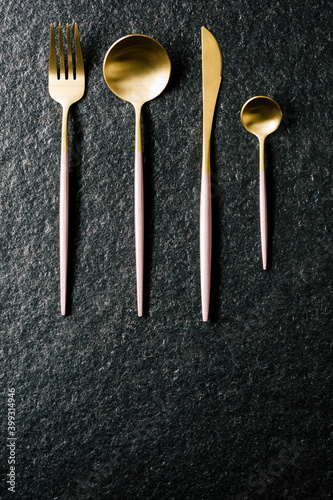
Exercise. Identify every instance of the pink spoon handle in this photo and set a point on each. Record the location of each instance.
(263, 217)
(139, 227)
(205, 242)
(263, 203)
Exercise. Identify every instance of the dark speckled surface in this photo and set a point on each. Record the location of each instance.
(110, 406)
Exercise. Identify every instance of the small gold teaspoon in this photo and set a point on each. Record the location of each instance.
(261, 116)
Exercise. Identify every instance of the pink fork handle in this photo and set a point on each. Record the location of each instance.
(139, 227)
(205, 242)
(63, 229)
(263, 217)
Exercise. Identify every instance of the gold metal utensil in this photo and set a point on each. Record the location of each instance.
(137, 69)
(65, 87)
(261, 116)
(211, 80)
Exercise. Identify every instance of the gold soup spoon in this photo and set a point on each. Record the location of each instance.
(137, 69)
(261, 116)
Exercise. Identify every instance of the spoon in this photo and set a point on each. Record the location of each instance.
(137, 69)
(261, 116)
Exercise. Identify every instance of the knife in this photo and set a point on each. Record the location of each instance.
(211, 80)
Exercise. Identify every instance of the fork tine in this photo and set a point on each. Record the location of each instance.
(61, 54)
(53, 55)
(69, 53)
(78, 54)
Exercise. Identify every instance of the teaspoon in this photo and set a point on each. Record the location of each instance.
(261, 116)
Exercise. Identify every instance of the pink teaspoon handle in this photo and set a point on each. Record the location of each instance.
(263, 218)
(263, 204)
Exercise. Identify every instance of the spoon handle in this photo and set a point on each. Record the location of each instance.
(263, 203)
(139, 227)
(139, 211)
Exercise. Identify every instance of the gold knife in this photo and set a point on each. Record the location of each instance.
(211, 80)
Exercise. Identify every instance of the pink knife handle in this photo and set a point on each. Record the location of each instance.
(139, 227)
(63, 228)
(263, 217)
(205, 242)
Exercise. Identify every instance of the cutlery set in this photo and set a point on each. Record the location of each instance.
(137, 69)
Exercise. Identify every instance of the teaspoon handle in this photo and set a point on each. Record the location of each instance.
(263, 204)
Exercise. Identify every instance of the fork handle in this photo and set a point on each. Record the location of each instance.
(63, 212)
(63, 229)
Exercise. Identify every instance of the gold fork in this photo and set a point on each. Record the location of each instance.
(65, 88)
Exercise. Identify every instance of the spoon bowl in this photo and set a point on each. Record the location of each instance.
(261, 116)
(137, 69)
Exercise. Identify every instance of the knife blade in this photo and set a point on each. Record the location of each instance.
(211, 81)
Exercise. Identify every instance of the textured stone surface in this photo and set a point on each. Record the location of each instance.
(110, 406)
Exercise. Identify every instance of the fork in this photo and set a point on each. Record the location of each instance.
(65, 87)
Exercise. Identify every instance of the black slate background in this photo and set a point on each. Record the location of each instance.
(110, 406)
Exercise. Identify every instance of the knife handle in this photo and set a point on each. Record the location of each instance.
(205, 241)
